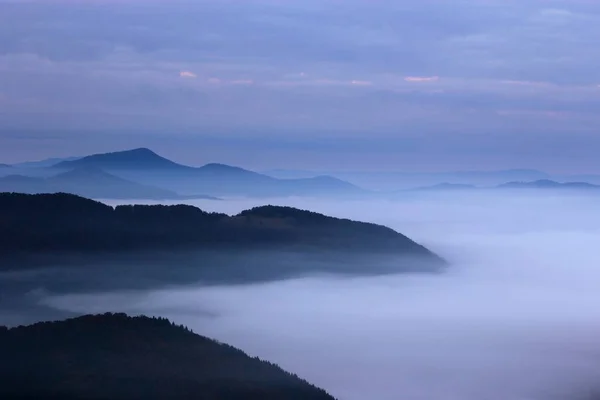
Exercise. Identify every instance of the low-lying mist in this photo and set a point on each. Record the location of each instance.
(516, 316)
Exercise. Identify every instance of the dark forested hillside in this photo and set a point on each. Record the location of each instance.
(116, 357)
(63, 222)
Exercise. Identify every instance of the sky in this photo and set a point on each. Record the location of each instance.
(422, 85)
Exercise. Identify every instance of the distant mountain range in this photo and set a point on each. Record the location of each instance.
(143, 174)
(116, 357)
(542, 184)
(144, 166)
(87, 181)
(549, 184)
(393, 180)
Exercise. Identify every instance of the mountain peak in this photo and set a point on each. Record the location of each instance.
(217, 166)
(141, 151)
(139, 158)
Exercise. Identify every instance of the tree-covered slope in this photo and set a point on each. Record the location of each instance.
(63, 222)
(114, 357)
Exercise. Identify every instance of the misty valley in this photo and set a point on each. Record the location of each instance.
(118, 283)
(299, 200)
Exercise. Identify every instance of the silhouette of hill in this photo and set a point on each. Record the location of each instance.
(391, 181)
(145, 166)
(549, 184)
(5, 166)
(590, 178)
(64, 222)
(86, 181)
(149, 246)
(135, 159)
(539, 184)
(116, 357)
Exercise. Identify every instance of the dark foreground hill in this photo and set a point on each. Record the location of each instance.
(64, 222)
(183, 243)
(116, 357)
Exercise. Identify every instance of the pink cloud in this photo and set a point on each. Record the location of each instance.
(187, 75)
(422, 78)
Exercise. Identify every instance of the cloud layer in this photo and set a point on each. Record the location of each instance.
(430, 70)
(514, 317)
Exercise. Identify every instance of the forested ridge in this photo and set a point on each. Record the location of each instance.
(65, 222)
(114, 357)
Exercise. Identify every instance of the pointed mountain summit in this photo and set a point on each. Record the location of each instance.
(136, 159)
(146, 167)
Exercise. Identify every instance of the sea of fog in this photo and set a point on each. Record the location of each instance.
(516, 317)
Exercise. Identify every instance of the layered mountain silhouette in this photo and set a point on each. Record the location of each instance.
(116, 357)
(144, 166)
(549, 184)
(135, 159)
(86, 181)
(542, 184)
(390, 181)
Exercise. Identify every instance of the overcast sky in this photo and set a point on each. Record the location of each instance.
(403, 84)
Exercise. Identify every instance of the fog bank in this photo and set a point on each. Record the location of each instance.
(515, 317)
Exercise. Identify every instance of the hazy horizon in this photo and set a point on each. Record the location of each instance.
(274, 169)
(405, 85)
